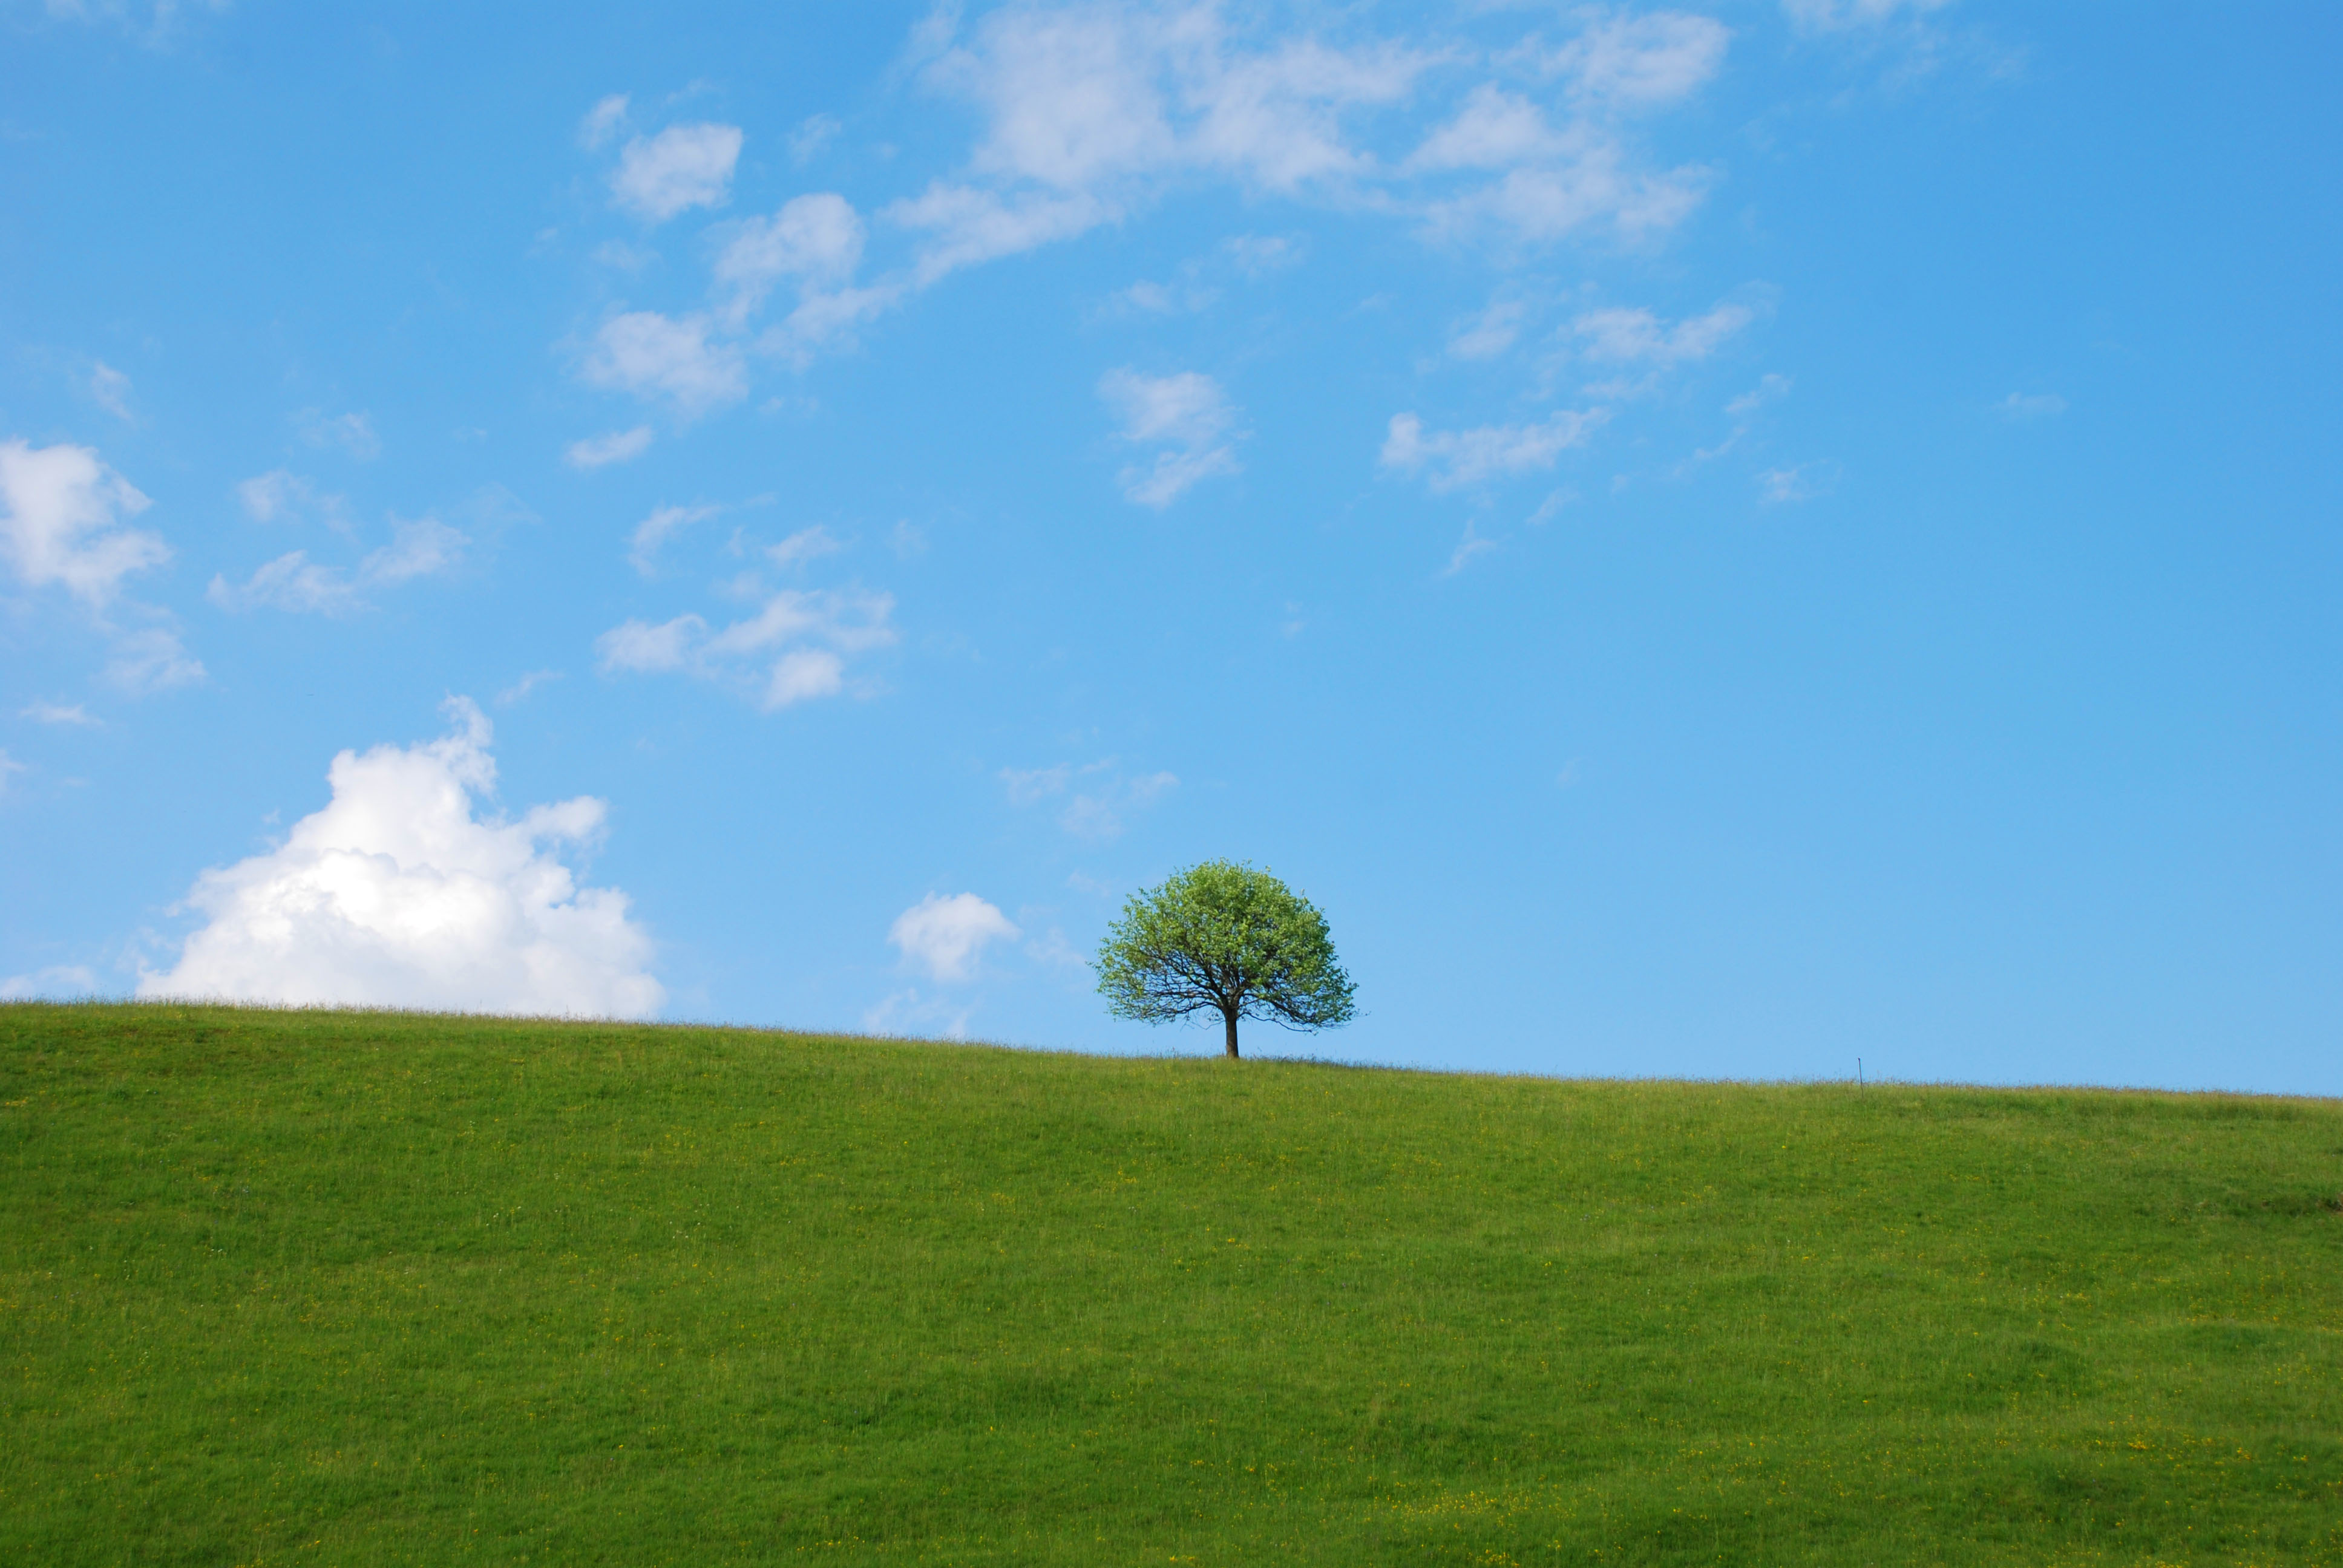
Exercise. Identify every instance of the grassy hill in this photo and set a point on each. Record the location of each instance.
(283, 1288)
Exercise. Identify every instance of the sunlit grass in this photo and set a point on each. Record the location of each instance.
(354, 1288)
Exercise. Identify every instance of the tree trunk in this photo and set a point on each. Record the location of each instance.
(1232, 1021)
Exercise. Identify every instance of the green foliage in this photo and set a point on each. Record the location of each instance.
(1224, 937)
(280, 1288)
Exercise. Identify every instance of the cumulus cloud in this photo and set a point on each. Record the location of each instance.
(64, 522)
(947, 937)
(683, 167)
(1186, 414)
(419, 546)
(654, 356)
(1451, 459)
(601, 451)
(400, 893)
(792, 650)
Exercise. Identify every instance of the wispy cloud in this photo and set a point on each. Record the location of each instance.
(1095, 800)
(41, 712)
(1796, 482)
(110, 390)
(1452, 459)
(642, 546)
(601, 451)
(1468, 548)
(1186, 416)
(794, 649)
(418, 546)
(602, 120)
(2032, 406)
(352, 433)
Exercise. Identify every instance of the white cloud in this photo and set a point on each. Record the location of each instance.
(417, 547)
(1796, 482)
(294, 583)
(1079, 98)
(972, 225)
(63, 521)
(814, 132)
(792, 650)
(1454, 458)
(642, 547)
(1770, 389)
(281, 496)
(41, 712)
(9, 767)
(1028, 785)
(2032, 406)
(805, 545)
(816, 240)
(1645, 61)
(1838, 15)
(1188, 412)
(110, 390)
(59, 980)
(1637, 336)
(683, 167)
(1098, 797)
(1489, 334)
(601, 451)
(528, 683)
(602, 120)
(909, 1012)
(397, 894)
(352, 433)
(947, 937)
(152, 23)
(1494, 130)
(151, 658)
(1468, 548)
(653, 356)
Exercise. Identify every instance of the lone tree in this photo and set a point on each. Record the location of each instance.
(1223, 936)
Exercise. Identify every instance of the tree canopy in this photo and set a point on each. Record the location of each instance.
(1224, 937)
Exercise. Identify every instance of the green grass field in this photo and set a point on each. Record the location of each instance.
(284, 1288)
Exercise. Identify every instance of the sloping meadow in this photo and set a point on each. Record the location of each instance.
(295, 1287)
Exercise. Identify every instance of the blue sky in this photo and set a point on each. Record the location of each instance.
(1711, 542)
